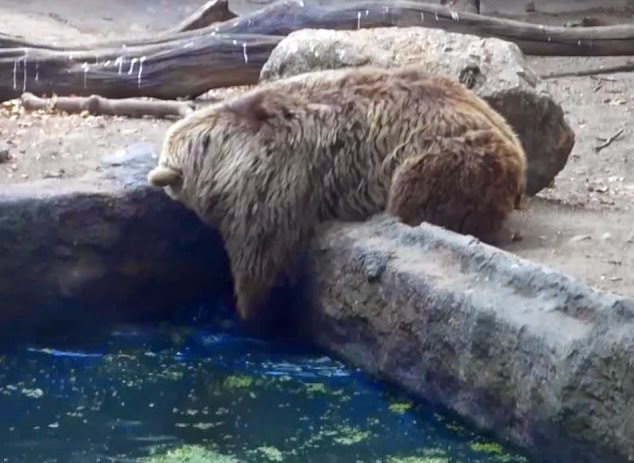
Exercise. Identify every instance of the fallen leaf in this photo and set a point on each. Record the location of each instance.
(615, 102)
(600, 188)
(578, 238)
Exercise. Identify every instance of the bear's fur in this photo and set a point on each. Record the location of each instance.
(265, 167)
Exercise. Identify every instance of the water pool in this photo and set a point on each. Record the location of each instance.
(206, 393)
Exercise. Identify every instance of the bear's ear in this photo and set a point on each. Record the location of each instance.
(163, 176)
(250, 109)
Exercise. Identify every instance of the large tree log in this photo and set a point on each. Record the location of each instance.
(181, 68)
(232, 52)
(285, 16)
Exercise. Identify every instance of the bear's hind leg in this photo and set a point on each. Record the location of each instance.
(414, 195)
(466, 184)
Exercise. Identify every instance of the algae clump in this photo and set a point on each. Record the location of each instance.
(496, 450)
(238, 382)
(190, 454)
(418, 460)
(271, 453)
(401, 407)
(350, 436)
(316, 388)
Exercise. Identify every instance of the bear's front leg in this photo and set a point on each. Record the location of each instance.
(251, 300)
(256, 268)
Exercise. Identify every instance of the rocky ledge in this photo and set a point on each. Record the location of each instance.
(518, 349)
(103, 243)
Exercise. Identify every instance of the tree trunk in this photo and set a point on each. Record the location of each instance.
(186, 64)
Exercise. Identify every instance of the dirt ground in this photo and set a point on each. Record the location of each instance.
(583, 225)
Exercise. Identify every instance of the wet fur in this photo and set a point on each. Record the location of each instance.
(264, 168)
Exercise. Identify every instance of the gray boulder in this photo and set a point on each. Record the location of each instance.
(493, 68)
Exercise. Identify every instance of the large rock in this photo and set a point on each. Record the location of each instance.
(493, 68)
(103, 245)
(513, 346)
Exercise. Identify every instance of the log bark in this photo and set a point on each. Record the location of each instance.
(97, 105)
(469, 6)
(229, 53)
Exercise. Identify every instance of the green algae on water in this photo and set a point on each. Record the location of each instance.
(316, 388)
(191, 404)
(487, 447)
(496, 451)
(350, 436)
(429, 455)
(271, 453)
(400, 407)
(417, 460)
(238, 382)
(190, 454)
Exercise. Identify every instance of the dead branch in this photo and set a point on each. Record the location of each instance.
(603, 79)
(232, 52)
(97, 105)
(609, 141)
(213, 11)
(626, 67)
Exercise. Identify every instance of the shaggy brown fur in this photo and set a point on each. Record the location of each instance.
(264, 168)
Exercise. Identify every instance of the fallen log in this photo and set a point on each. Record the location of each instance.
(186, 64)
(285, 16)
(182, 68)
(97, 105)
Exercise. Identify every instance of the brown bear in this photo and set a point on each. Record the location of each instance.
(265, 167)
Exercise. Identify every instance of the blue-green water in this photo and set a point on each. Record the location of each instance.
(206, 392)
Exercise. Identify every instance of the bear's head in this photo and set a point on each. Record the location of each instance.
(205, 133)
(208, 141)
(168, 174)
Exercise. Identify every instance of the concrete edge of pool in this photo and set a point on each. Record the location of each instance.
(534, 355)
(531, 354)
